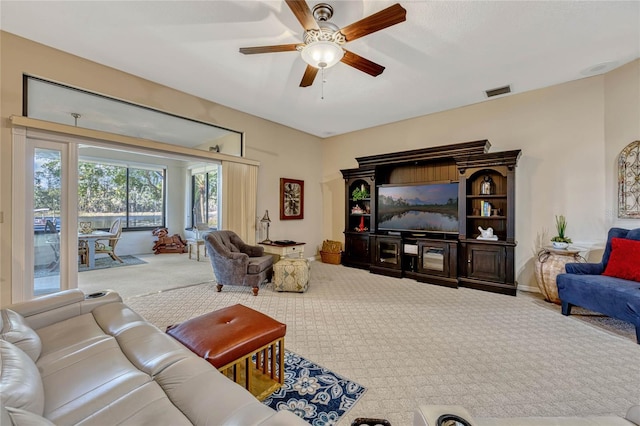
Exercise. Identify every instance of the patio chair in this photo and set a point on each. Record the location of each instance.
(53, 239)
(108, 246)
(83, 252)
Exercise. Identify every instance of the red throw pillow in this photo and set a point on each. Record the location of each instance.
(624, 261)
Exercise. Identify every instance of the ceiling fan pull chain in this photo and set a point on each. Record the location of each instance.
(322, 89)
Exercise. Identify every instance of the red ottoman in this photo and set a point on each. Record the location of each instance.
(230, 337)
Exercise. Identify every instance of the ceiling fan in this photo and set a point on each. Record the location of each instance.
(323, 40)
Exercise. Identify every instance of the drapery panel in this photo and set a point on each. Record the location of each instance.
(239, 199)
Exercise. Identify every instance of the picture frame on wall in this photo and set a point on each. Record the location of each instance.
(291, 199)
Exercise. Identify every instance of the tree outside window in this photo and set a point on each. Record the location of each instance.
(107, 192)
(205, 198)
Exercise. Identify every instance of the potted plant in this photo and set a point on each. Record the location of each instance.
(561, 241)
(359, 194)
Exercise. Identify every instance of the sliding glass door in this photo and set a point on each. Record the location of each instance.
(43, 209)
(47, 210)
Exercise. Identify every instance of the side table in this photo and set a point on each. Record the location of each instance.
(549, 263)
(284, 250)
(191, 243)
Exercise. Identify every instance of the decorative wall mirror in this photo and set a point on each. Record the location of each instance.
(629, 182)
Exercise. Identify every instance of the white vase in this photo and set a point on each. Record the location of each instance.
(560, 245)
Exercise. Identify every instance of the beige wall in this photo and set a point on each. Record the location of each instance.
(622, 126)
(283, 152)
(570, 136)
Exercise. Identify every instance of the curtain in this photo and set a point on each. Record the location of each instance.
(239, 199)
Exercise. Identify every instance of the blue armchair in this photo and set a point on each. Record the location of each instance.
(584, 285)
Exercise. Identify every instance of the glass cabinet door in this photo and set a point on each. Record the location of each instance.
(433, 258)
(389, 252)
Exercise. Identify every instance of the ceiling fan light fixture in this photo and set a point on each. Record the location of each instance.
(322, 54)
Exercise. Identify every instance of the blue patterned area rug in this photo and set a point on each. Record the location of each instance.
(314, 393)
(105, 262)
(102, 262)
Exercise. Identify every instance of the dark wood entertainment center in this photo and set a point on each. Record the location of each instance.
(486, 198)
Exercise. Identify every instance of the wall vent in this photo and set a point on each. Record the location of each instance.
(498, 91)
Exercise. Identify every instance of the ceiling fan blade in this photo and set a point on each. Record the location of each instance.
(378, 21)
(362, 64)
(309, 76)
(270, 49)
(303, 13)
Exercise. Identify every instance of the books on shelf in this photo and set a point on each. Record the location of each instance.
(485, 208)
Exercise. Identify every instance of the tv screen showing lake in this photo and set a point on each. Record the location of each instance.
(420, 221)
(427, 207)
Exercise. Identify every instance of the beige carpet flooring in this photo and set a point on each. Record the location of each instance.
(411, 343)
(161, 272)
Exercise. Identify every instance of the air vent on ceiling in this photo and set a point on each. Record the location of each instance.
(498, 91)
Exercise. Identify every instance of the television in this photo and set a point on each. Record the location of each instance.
(418, 208)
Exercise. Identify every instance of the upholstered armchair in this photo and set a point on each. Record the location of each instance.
(610, 287)
(236, 263)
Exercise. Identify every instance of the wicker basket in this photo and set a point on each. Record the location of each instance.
(332, 258)
(331, 252)
(330, 246)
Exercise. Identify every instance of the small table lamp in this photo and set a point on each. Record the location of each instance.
(266, 221)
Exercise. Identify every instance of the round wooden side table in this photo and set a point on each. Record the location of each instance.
(549, 263)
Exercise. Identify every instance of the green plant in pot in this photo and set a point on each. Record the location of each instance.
(561, 241)
(360, 194)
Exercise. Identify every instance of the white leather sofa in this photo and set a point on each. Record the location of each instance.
(454, 415)
(69, 359)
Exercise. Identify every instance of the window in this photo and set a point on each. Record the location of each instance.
(110, 191)
(204, 193)
(55, 102)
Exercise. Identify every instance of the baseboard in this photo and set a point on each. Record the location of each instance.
(529, 288)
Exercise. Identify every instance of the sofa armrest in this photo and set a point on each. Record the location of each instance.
(51, 308)
(633, 415)
(252, 251)
(584, 268)
(48, 302)
(428, 415)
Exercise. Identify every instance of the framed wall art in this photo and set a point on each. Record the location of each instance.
(629, 182)
(291, 199)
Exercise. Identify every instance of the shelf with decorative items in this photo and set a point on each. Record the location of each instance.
(359, 214)
(487, 230)
(486, 203)
(360, 206)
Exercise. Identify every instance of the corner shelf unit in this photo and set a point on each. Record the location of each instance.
(358, 219)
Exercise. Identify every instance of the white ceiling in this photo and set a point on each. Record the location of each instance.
(444, 56)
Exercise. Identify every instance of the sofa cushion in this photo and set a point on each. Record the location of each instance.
(14, 329)
(624, 261)
(147, 404)
(20, 383)
(85, 381)
(151, 350)
(611, 296)
(10, 416)
(259, 264)
(69, 336)
(114, 318)
(187, 380)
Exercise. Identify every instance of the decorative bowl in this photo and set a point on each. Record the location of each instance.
(559, 245)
